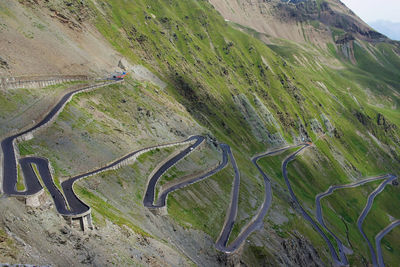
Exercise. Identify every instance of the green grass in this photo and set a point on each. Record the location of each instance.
(206, 63)
(20, 180)
(106, 210)
(390, 247)
(25, 149)
(7, 244)
(209, 215)
(378, 218)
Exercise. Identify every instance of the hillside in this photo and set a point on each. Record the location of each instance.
(255, 75)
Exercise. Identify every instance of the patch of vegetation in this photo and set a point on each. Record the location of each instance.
(20, 180)
(39, 26)
(206, 63)
(7, 245)
(106, 210)
(25, 149)
(206, 215)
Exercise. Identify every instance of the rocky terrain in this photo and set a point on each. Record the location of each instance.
(256, 75)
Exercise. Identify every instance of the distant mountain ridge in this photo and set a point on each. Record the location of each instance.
(389, 28)
(289, 19)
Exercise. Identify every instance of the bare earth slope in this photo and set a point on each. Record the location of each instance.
(39, 41)
(291, 21)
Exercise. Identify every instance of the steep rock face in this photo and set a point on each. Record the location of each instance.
(299, 251)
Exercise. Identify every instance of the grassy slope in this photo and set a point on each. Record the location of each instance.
(205, 61)
(17, 102)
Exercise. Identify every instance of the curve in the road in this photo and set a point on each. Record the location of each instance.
(233, 208)
(9, 156)
(336, 260)
(32, 183)
(342, 249)
(150, 190)
(254, 224)
(66, 201)
(162, 198)
(257, 221)
(378, 239)
(365, 212)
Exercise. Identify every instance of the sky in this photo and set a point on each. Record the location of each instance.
(373, 10)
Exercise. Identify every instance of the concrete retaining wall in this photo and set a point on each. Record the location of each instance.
(132, 159)
(39, 81)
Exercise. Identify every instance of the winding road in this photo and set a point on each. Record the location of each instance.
(365, 212)
(342, 249)
(253, 225)
(336, 260)
(68, 204)
(222, 241)
(342, 261)
(32, 183)
(378, 240)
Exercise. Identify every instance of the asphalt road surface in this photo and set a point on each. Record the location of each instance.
(378, 240)
(32, 183)
(342, 249)
(150, 190)
(305, 215)
(365, 212)
(162, 199)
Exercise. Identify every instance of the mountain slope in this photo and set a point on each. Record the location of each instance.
(334, 83)
(300, 21)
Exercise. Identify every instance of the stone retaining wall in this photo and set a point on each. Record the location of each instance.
(132, 159)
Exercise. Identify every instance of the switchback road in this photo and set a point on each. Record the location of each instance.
(68, 204)
(257, 222)
(365, 212)
(342, 249)
(162, 198)
(306, 216)
(32, 183)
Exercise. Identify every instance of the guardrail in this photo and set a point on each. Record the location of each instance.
(39, 81)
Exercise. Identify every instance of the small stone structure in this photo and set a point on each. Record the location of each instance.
(83, 221)
(34, 200)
